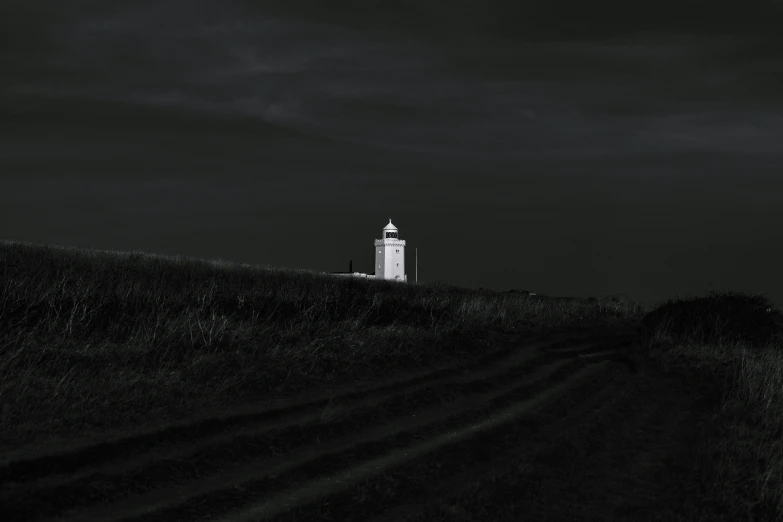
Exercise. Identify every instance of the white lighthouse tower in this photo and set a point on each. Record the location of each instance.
(390, 255)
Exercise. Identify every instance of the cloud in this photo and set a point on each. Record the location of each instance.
(127, 66)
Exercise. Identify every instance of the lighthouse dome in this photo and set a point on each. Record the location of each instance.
(390, 226)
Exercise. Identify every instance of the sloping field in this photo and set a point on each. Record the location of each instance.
(557, 429)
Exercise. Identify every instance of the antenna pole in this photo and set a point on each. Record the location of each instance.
(417, 265)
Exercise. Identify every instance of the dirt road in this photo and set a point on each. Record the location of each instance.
(552, 430)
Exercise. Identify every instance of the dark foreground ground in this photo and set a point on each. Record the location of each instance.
(566, 428)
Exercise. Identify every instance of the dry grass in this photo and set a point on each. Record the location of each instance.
(747, 453)
(95, 341)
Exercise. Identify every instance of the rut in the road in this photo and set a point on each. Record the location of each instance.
(529, 444)
(31, 464)
(634, 459)
(410, 475)
(363, 419)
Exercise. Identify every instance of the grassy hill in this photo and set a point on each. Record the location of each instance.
(97, 342)
(101, 340)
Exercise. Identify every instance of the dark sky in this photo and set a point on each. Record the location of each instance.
(565, 147)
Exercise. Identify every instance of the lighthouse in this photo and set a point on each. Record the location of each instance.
(390, 255)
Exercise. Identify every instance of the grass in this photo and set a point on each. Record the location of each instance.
(99, 342)
(96, 342)
(746, 455)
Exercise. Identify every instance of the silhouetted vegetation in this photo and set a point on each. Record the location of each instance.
(731, 316)
(98, 341)
(730, 343)
(95, 340)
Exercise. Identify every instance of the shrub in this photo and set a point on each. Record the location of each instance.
(731, 316)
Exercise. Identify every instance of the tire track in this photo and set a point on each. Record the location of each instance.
(635, 463)
(526, 479)
(443, 441)
(643, 468)
(139, 473)
(54, 495)
(33, 464)
(373, 486)
(548, 429)
(269, 474)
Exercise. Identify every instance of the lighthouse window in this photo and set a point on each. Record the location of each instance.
(398, 264)
(379, 251)
(398, 251)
